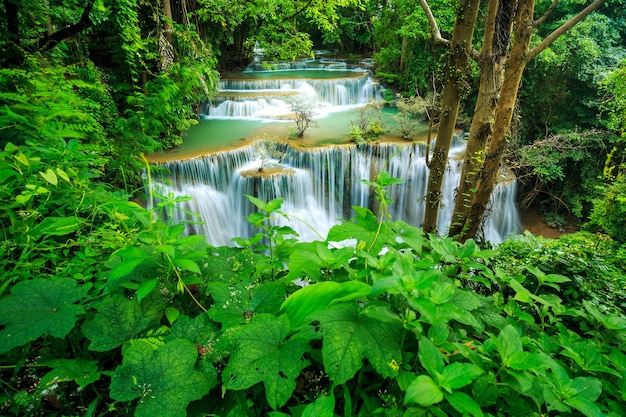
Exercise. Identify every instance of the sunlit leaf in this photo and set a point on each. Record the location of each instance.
(264, 354)
(351, 336)
(423, 391)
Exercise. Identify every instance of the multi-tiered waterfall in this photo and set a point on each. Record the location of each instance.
(319, 185)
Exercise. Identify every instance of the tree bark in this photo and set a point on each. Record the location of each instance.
(504, 112)
(167, 22)
(454, 86)
(491, 61)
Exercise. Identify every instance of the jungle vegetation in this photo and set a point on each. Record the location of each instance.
(107, 309)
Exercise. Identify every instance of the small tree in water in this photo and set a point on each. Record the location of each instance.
(265, 150)
(368, 124)
(411, 113)
(304, 108)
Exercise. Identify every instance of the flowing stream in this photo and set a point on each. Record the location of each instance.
(319, 184)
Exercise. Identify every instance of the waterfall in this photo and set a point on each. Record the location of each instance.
(320, 186)
(268, 98)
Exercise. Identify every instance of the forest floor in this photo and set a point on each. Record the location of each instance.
(535, 223)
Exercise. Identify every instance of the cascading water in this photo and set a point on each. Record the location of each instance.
(266, 94)
(319, 185)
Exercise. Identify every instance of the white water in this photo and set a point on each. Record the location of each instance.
(268, 98)
(320, 186)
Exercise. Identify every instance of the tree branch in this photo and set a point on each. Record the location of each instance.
(50, 41)
(546, 14)
(297, 12)
(434, 28)
(490, 29)
(564, 28)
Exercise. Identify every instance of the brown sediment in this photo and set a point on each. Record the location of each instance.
(267, 172)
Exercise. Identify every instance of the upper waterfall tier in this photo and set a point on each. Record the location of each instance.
(266, 94)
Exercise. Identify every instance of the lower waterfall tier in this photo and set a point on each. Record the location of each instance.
(320, 186)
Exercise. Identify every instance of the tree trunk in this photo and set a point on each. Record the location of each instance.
(454, 88)
(167, 22)
(491, 61)
(486, 178)
(504, 112)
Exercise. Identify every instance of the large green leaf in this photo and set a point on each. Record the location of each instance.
(38, 307)
(231, 265)
(317, 297)
(423, 391)
(234, 304)
(263, 354)
(163, 378)
(120, 319)
(351, 335)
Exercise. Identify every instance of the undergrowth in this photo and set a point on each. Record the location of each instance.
(107, 310)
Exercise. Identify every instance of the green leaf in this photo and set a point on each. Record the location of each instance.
(62, 174)
(523, 361)
(316, 297)
(430, 357)
(423, 391)
(457, 375)
(187, 265)
(509, 343)
(122, 269)
(464, 404)
(588, 409)
(163, 379)
(234, 303)
(172, 314)
(263, 354)
(146, 288)
(351, 336)
(120, 319)
(49, 176)
(37, 307)
(323, 406)
(80, 370)
(23, 159)
(54, 226)
(364, 228)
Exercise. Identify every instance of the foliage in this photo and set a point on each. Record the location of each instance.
(395, 322)
(368, 125)
(411, 112)
(610, 204)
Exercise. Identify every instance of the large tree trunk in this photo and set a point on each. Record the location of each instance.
(491, 62)
(519, 57)
(504, 112)
(454, 86)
